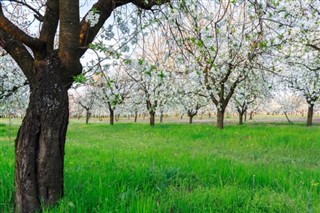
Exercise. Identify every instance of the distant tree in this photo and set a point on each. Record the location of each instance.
(86, 100)
(288, 102)
(193, 95)
(152, 82)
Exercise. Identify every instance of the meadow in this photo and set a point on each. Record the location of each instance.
(127, 167)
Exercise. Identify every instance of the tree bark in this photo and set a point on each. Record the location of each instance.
(39, 148)
(285, 113)
(310, 115)
(88, 114)
(152, 118)
(161, 117)
(111, 116)
(241, 118)
(220, 119)
(251, 115)
(190, 118)
(135, 116)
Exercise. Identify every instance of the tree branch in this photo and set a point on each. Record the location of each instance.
(105, 8)
(19, 53)
(15, 32)
(50, 24)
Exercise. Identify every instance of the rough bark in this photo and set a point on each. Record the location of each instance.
(310, 115)
(39, 148)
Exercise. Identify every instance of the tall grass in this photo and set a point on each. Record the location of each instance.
(183, 168)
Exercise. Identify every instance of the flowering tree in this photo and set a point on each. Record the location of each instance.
(297, 39)
(86, 100)
(222, 43)
(307, 82)
(152, 82)
(287, 101)
(193, 95)
(250, 93)
(113, 89)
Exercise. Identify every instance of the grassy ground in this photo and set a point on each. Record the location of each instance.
(182, 168)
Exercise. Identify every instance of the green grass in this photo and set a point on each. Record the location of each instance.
(183, 168)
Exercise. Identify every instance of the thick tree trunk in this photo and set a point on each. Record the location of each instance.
(220, 119)
(39, 148)
(310, 115)
(111, 116)
(152, 118)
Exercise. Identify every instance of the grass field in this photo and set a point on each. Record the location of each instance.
(182, 168)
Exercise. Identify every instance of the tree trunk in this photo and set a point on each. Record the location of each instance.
(87, 115)
(251, 115)
(220, 119)
(241, 118)
(190, 118)
(152, 118)
(161, 117)
(285, 113)
(245, 115)
(111, 116)
(310, 115)
(135, 116)
(39, 148)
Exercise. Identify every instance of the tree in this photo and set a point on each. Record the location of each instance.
(113, 88)
(86, 99)
(307, 83)
(151, 81)
(221, 43)
(287, 101)
(296, 24)
(193, 94)
(249, 93)
(50, 68)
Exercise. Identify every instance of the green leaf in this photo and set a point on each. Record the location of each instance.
(79, 79)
